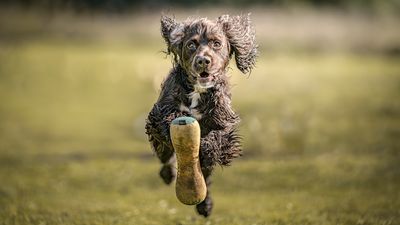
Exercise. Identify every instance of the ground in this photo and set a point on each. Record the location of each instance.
(320, 136)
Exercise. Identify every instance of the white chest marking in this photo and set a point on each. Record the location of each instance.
(194, 98)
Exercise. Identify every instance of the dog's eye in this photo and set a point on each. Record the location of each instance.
(216, 44)
(191, 45)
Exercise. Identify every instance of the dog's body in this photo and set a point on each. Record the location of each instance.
(198, 86)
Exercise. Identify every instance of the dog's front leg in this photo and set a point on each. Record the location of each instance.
(217, 147)
(157, 128)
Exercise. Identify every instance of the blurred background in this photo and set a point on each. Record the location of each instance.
(320, 113)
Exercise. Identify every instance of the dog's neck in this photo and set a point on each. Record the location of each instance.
(193, 94)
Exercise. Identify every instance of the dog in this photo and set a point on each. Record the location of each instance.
(198, 86)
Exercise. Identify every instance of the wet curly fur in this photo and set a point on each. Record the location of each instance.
(198, 86)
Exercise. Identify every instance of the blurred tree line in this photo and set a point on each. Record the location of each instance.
(123, 5)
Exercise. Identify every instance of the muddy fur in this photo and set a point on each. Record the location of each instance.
(198, 86)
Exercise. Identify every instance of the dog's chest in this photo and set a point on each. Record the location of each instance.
(194, 101)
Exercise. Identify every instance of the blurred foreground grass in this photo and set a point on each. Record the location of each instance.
(321, 138)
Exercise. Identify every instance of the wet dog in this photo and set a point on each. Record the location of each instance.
(197, 86)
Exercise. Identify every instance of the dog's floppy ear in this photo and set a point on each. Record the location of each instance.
(173, 33)
(241, 36)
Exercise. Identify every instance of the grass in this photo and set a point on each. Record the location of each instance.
(321, 138)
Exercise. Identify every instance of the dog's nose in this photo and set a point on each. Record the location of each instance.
(203, 61)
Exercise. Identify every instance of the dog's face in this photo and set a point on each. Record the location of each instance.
(205, 52)
(203, 47)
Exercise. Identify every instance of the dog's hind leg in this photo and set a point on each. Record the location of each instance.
(205, 207)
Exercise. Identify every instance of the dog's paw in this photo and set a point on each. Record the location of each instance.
(168, 173)
(205, 207)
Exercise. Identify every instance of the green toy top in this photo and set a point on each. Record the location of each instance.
(183, 120)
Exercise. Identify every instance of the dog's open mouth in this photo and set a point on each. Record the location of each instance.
(204, 74)
(205, 80)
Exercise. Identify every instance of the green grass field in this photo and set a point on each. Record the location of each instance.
(321, 133)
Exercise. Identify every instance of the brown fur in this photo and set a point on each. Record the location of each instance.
(198, 86)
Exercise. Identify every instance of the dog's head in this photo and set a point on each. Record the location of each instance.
(203, 47)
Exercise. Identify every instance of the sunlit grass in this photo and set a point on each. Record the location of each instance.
(320, 133)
